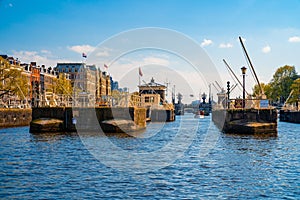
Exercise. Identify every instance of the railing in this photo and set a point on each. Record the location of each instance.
(13, 101)
(50, 99)
(244, 104)
(292, 107)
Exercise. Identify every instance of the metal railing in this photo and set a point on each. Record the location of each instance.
(244, 104)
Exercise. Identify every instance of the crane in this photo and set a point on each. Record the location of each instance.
(216, 87)
(219, 85)
(250, 63)
(227, 65)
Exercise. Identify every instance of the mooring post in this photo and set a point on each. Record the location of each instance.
(228, 94)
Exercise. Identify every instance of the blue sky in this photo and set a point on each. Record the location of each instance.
(55, 31)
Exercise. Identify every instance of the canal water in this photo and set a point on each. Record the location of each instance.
(193, 160)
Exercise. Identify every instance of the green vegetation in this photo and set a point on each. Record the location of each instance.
(279, 88)
(281, 83)
(12, 82)
(63, 85)
(296, 91)
(266, 88)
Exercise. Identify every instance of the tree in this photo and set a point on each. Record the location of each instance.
(63, 85)
(12, 82)
(280, 85)
(266, 88)
(295, 87)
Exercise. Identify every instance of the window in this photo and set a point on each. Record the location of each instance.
(149, 99)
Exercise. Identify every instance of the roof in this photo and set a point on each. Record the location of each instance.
(69, 64)
(152, 84)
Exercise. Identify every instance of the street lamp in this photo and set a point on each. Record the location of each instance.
(244, 91)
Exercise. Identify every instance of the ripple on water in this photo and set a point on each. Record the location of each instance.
(60, 167)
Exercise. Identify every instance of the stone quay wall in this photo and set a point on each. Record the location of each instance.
(89, 118)
(162, 115)
(289, 116)
(11, 117)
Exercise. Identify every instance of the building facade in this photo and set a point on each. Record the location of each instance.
(152, 94)
(153, 88)
(88, 80)
(42, 81)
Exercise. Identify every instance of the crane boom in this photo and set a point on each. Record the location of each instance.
(248, 58)
(218, 85)
(232, 88)
(234, 74)
(215, 87)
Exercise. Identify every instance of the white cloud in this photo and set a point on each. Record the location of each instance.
(125, 65)
(103, 52)
(223, 45)
(206, 42)
(41, 58)
(162, 70)
(44, 51)
(156, 61)
(294, 39)
(266, 49)
(82, 48)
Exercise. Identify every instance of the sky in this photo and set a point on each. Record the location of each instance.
(54, 31)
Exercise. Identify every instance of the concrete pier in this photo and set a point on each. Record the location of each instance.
(86, 119)
(162, 115)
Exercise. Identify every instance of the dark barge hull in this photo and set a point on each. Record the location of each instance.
(246, 121)
(289, 116)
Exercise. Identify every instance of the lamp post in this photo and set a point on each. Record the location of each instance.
(244, 91)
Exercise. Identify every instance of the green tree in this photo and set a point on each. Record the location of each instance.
(12, 82)
(63, 85)
(280, 85)
(266, 88)
(295, 87)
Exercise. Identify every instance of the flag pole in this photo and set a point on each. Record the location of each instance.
(105, 68)
(139, 80)
(84, 56)
(140, 74)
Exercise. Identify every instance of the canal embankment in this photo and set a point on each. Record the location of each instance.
(12, 117)
(68, 119)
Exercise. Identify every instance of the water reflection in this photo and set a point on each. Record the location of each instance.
(52, 137)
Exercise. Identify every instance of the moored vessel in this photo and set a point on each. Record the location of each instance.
(245, 116)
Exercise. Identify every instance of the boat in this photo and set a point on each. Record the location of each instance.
(245, 116)
(200, 114)
(179, 107)
(246, 120)
(204, 109)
